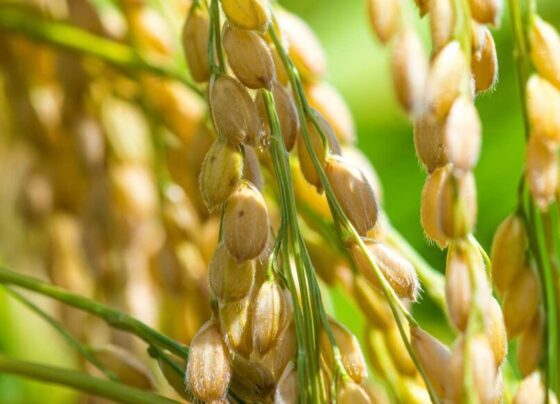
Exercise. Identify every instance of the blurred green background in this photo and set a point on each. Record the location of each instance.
(359, 69)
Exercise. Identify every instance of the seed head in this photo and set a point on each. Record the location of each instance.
(287, 388)
(487, 11)
(384, 18)
(435, 358)
(462, 134)
(208, 370)
(248, 14)
(484, 60)
(428, 141)
(250, 380)
(446, 79)
(287, 115)
(195, 43)
(482, 369)
(496, 331)
(236, 324)
(410, 71)
(249, 57)
(543, 103)
(521, 301)
(245, 223)
(233, 111)
(372, 303)
(430, 207)
(350, 350)
(268, 315)
(508, 252)
(230, 280)
(541, 170)
(442, 22)
(354, 193)
(458, 204)
(398, 272)
(530, 346)
(305, 161)
(545, 50)
(220, 174)
(461, 260)
(283, 351)
(398, 352)
(252, 168)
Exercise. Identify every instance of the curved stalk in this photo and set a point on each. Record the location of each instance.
(81, 381)
(73, 342)
(114, 318)
(78, 40)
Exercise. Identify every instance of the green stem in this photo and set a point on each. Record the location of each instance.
(80, 381)
(78, 40)
(114, 318)
(73, 342)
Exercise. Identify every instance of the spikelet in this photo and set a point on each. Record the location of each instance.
(428, 142)
(284, 350)
(545, 50)
(352, 393)
(305, 161)
(482, 370)
(287, 388)
(461, 259)
(208, 370)
(245, 223)
(442, 22)
(230, 280)
(287, 115)
(541, 170)
(326, 100)
(281, 74)
(458, 205)
(435, 358)
(487, 11)
(372, 303)
(353, 192)
(360, 160)
(410, 71)
(532, 390)
(221, 172)
(249, 57)
(496, 331)
(252, 168)
(462, 134)
(397, 349)
(250, 379)
(446, 79)
(530, 346)
(430, 207)
(384, 18)
(304, 48)
(195, 43)
(508, 251)
(248, 14)
(236, 324)
(484, 60)
(350, 351)
(543, 103)
(521, 301)
(268, 316)
(398, 272)
(233, 111)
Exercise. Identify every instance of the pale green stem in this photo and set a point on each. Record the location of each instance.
(80, 381)
(114, 318)
(73, 342)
